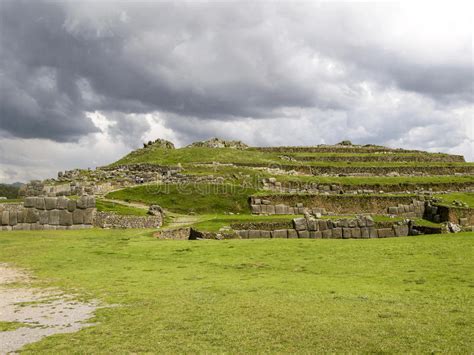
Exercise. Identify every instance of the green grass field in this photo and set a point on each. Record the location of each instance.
(404, 295)
(107, 206)
(448, 199)
(196, 198)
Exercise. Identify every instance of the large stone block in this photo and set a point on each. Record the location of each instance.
(31, 215)
(5, 218)
(393, 210)
(90, 202)
(43, 217)
(61, 203)
(373, 232)
(13, 218)
(265, 234)
(346, 233)
(400, 231)
(337, 233)
(343, 223)
(39, 203)
(356, 233)
(53, 217)
(280, 233)
(89, 215)
(352, 223)
(361, 222)
(244, 234)
(50, 203)
(78, 216)
(271, 209)
(303, 234)
(300, 224)
(292, 233)
(256, 209)
(315, 234)
(327, 234)
(385, 232)
(71, 205)
(364, 233)
(29, 202)
(65, 218)
(313, 224)
(21, 216)
(281, 209)
(81, 202)
(254, 234)
(322, 224)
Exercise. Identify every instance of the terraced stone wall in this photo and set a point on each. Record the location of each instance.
(272, 184)
(113, 220)
(46, 213)
(339, 204)
(440, 213)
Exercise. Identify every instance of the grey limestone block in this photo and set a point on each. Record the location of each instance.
(50, 203)
(39, 203)
(280, 233)
(373, 232)
(54, 217)
(364, 233)
(343, 223)
(337, 233)
(78, 216)
(5, 218)
(254, 234)
(300, 224)
(303, 234)
(89, 215)
(392, 210)
(265, 234)
(271, 209)
(356, 233)
(361, 222)
(257, 201)
(244, 234)
(71, 205)
(29, 202)
(21, 216)
(292, 233)
(327, 234)
(65, 218)
(61, 203)
(43, 217)
(81, 202)
(281, 209)
(13, 218)
(256, 209)
(322, 224)
(346, 233)
(352, 223)
(90, 202)
(31, 215)
(315, 234)
(313, 224)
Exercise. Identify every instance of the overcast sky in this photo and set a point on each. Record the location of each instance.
(84, 82)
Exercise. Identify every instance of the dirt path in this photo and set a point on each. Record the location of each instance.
(140, 205)
(41, 312)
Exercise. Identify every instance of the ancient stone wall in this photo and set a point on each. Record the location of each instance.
(339, 204)
(414, 209)
(113, 220)
(38, 213)
(304, 227)
(440, 213)
(272, 184)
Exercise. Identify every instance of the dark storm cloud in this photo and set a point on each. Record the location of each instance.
(209, 61)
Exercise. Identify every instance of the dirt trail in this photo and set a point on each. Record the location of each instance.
(42, 312)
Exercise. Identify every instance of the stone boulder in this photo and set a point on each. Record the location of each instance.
(219, 143)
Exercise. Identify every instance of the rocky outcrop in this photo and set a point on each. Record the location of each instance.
(159, 143)
(219, 143)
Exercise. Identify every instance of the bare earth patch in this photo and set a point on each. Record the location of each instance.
(43, 312)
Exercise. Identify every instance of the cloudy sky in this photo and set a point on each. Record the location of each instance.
(84, 82)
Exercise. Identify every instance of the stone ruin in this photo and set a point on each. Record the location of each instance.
(219, 143)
